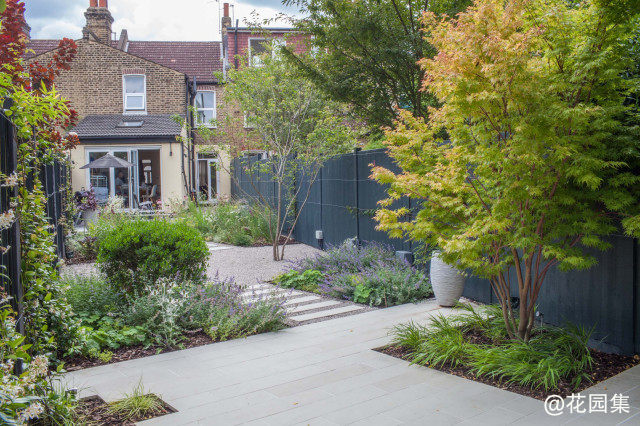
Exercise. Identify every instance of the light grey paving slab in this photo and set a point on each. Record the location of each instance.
(320, 304)
(302, 300)
(324, 373)
(326, 313)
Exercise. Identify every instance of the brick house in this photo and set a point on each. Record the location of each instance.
(128, 93)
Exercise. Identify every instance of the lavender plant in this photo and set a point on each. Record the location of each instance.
(369, 274)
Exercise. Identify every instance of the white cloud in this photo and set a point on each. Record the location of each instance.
(146, 19)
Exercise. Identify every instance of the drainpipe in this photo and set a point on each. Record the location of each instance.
(192, 163)
(235, 44)
(184, 175)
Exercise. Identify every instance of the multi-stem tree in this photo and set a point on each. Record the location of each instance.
(537, 164)
(288, 118)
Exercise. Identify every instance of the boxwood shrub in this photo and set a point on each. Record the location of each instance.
(136, 252)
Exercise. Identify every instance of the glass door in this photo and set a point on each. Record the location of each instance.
(122, 181)
(99, 179)
(207, 177)
(135, 179)
(213, 179)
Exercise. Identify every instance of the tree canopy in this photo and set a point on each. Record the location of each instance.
(539, 163)
(290, 119)
(368, 53)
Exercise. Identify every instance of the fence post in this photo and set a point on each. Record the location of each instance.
(357, 193)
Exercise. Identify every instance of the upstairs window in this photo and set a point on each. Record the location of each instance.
(205, 104)
(249, 120)
(257, 48)
(135, 93)
(278, 44)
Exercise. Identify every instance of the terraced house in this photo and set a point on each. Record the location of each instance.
(128, 94)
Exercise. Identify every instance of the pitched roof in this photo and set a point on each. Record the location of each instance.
(127, 126)
(199, 59)
(40, 46)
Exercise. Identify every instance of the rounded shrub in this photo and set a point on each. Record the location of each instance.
(137, 252)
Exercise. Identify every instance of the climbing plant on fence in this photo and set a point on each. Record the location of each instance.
(38, 116)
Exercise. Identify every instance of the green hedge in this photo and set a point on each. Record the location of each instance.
(140, 251)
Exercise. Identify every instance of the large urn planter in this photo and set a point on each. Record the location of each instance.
(447, 282)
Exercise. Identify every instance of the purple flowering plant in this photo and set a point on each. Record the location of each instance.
(369, 274)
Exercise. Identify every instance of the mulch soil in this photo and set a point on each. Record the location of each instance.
(282, 241)
(94, 410)
(194, 339)
(604, 366)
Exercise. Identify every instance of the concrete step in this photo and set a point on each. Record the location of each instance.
(310, 306)
(326, 313)
(294, 301)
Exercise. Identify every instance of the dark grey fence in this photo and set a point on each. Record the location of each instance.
(343, 198)
(54, 179)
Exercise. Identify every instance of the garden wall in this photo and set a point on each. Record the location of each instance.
(343, 198)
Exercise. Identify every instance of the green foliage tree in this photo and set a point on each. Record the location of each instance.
(290, 120)
(370, 53)
(539, 162)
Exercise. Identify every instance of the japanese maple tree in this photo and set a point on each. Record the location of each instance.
(527, 161)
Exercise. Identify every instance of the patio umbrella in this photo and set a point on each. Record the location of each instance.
(108, 161)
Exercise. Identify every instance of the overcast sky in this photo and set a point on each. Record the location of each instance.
(146, 19)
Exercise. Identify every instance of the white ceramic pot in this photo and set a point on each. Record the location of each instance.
(447, 282)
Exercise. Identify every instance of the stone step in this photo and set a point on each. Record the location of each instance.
(308, 307)
(327, 313)
(304, 299)
(267, 290)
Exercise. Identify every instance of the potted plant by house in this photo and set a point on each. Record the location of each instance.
(447, 281)
(88, 206)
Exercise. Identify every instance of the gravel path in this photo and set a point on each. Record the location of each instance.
(248, 265)
(251, 265)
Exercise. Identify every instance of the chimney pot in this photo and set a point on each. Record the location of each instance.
(103, 3)
(226, 10)
(93, 3)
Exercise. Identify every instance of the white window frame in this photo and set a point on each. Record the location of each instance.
(246, 123)
(211, 197)
(143, 110)
(277, 43)
(250, 39)
(211, 124)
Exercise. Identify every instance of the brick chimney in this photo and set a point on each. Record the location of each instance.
(226, 19)
(99, 22)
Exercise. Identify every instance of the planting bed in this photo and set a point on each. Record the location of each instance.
(604, 366)
(126, 353)
(94, 410)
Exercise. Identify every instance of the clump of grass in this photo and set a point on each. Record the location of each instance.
(231, 223)
(477, 340)
(137, 405)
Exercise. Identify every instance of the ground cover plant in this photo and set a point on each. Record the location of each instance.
(370, 274)
(162, 316)
(476, 345)
(230, 223)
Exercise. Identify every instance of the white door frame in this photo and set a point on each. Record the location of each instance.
(210, 197)
(133, 171)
